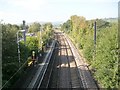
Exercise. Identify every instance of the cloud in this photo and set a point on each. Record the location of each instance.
(14, 11)
(83, 1)
(8, 16)
(28, 4)
(12, 17)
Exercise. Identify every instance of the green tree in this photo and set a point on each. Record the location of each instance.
(10, 64)
(47, 34)
(35, 27)
(67, 27)
(104, 65)
(9, 51)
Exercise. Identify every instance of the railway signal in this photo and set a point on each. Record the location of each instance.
(33, 57)
(24, 34)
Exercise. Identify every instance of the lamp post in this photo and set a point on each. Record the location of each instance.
(19, 44)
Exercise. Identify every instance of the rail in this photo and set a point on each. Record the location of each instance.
(37, 80)
(83, 70)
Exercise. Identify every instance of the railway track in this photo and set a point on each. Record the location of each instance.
(75, 78)
(73, 71)
(72, 78)
(49, 72)
(64, 69)
(64, 76)
(41, 72)
(87, 79)
(65, 73)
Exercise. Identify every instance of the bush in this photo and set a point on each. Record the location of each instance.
(105, 61)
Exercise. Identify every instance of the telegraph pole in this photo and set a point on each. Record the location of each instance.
(94, 40)
(119, 39)
(95, 34)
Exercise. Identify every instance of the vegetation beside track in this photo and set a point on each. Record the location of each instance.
(12, 70)
(103, 62)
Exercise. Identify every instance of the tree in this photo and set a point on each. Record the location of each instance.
(10, 64)
(67, 27)
(104, 66)
(9, 51)
(35, 27)
(47, 33)
(78, 22)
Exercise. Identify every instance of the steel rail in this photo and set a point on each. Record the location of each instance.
(37, 80)
(86, 82)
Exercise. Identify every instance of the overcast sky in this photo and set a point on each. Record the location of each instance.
(15, 11)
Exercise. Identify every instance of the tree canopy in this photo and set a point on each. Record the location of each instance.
(104, 63)
(34, 27)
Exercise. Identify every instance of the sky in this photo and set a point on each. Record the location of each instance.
(15, 11)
